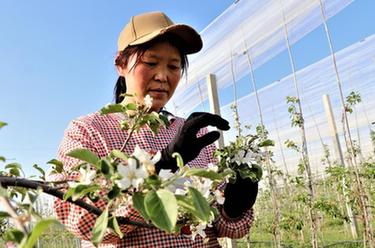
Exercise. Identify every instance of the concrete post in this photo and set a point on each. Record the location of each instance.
(215, 109)
(339, 157)
(214, 103)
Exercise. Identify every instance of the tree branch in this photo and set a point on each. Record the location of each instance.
(6, 181)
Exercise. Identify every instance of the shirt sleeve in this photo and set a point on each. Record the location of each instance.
(234, 228)
(76, 219)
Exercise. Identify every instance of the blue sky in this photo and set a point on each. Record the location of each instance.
(56, 61)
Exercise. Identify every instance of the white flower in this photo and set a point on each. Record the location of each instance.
(238, 157)
(148, 101)
(85, 178)
(251, 156)
(219, 197)
(131, 175)
(87, 175)
(178, 186)
(203, 185)
(165, 174)
(156, 157)
(198, 230)
(213, 167)
(145, 157)
(244, 157)
(183, 182)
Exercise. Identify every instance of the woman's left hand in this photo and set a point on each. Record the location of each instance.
(239, 196)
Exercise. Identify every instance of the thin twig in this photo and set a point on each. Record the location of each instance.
(12, 212)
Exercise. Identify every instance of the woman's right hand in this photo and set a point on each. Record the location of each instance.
(186, 142)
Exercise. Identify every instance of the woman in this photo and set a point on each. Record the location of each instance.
(151, 60)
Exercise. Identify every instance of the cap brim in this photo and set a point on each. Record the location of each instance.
(192, 41)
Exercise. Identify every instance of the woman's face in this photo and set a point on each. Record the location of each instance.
(156, 74)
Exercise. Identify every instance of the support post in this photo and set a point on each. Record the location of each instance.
(339, 157)
(332, 127)
(215, 109)
(214, 103)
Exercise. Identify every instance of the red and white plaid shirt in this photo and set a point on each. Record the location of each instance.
(101, 134)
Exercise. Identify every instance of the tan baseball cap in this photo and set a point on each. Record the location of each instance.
(145, 27)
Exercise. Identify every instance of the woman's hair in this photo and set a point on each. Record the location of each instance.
(123, 58)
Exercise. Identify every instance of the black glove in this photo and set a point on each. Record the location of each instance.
(186, 143)
(239, 196)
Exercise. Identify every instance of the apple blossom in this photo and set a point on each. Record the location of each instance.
(203, 185)
(219, 196)
(213, 167)
(165, 174)
(199, 230)
(86, 175)
(131, 175)
(148, 101)
(145, 158)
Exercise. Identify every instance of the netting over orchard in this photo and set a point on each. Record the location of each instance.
(255, 30)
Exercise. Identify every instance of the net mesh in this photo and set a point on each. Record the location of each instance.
(257, 28)
(356, 65)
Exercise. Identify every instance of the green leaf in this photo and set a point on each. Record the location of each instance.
(180, 162)
(41, 171)
(2, 159)
(84, 155)
(38, 230)
(82, 190)
(58, 165)
(124, 125)
(13, 165)
(15, 172)
(186, 203)
(2, 124)
(69, 193)
(131, 106)
(4, 214)
(153, 181)
(119, 154)
(114, 192)
(139, 205)
(200, 204)
(112, 108)
(94, 197)
(200, 172)
(161, 206)
(14, 168)
(32, 196)
(100, 228)
(154, 127)
(215, 211)
(267, 142)
(258, 171)
(115, 226)
(165, 120)
(14, 235)
(104, 167)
